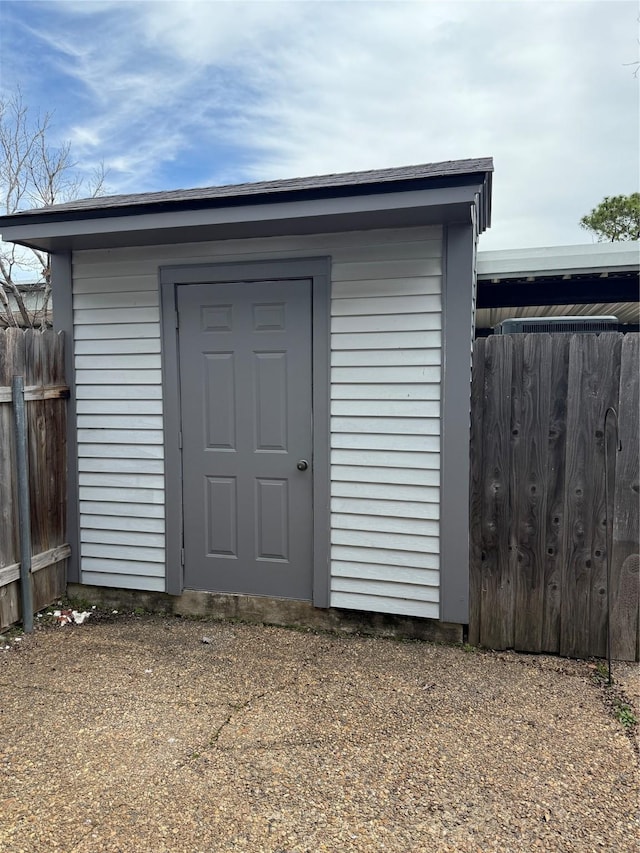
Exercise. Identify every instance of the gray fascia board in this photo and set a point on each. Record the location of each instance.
(307, 216)
(62, 299)
(456, 418)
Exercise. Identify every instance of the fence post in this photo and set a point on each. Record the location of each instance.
(24, 513)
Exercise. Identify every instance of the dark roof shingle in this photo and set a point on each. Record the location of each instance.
(182, 198)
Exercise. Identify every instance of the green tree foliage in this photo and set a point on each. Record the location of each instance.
(617, 217)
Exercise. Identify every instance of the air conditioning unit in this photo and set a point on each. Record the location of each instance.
(557, 324)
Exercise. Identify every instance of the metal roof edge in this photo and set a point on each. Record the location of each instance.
(559, 260)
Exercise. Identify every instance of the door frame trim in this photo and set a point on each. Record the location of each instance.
(316, 269)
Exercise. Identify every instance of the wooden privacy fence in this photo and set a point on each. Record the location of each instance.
(37, 357)
(538, 577)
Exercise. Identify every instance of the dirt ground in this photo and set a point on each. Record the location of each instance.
(140, 733)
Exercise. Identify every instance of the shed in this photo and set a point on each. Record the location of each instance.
(271, 385)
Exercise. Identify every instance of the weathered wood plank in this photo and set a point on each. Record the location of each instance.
(558, 538)
(475, 491)
(49, 585)
(39, 486)
(11, 573)
(594, 368)
(39, 358)
(625, 560)
(35, 392)
(529, 491)
(496, 603)
(12, 363)
(9, 604)
(555, 530)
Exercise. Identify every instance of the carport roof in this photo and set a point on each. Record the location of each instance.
(408, 195)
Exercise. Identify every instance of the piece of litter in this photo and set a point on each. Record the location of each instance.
(114, 611)
(17, 639)
(93, 606)
(206, 640)
(66, 617)
(148, 671)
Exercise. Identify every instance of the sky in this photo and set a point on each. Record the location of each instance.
(191, 93)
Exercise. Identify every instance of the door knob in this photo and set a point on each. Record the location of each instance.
(302, 465)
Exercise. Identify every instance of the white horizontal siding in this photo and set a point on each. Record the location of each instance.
(397, 391)
(134, 511)
(385, 423)
(113, 523)
(383, 604)
(140, 538)
(399, 476)
(384, 556)
(385, 411)
(372, 441)
(387, 509)
(372, 572)
(112, 407)
(128, 580)
(133, 466)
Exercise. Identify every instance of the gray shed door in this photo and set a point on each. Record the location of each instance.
(245, 374)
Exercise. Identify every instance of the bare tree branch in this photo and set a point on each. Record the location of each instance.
(33, 173)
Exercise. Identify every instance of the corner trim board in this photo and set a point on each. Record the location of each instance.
(457, 293)
(62, 299)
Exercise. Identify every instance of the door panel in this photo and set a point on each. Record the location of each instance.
(245, 374)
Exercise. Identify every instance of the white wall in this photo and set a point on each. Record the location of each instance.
(385, 405)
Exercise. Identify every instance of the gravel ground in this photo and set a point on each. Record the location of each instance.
(131, 734)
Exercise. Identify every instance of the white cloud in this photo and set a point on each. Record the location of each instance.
(225, 91)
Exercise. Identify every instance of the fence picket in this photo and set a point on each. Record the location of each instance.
(625, 560)
(529, 486)
(37, 357)
(538, 478)
(496, 581)
(556, 457)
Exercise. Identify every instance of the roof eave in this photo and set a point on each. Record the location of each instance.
(278, 216)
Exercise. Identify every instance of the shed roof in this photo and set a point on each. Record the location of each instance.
(411, 195)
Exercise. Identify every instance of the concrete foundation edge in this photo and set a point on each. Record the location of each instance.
(269, 611)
